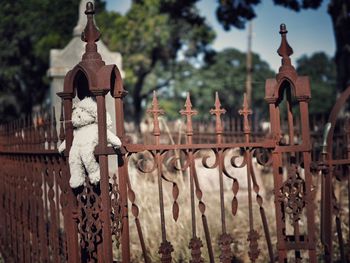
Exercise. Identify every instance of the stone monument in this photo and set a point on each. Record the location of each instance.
(62, 60)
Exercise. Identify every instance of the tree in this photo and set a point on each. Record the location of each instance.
(151, 36)
(321, 70)
(237, 12)
(339, 12)
(29, 29)
(223, 71)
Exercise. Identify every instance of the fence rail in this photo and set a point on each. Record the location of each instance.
(34, 193)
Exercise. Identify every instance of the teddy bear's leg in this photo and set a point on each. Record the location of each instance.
(92, 167)
(77, 173)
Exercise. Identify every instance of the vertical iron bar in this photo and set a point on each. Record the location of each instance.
(348, 171)
(277, 175)
(305, 130)
(165, 248)
(253, 234)
(69, 222)
(119, 93)
(292, 161)
(103, 162)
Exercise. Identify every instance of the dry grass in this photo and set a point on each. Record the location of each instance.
(179, 233)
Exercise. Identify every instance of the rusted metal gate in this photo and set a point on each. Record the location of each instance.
(335, 184)
(44, 220)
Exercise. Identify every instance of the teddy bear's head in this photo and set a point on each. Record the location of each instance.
(84, 112)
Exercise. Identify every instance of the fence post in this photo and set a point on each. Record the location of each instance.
(104, 183)
(291, 204)
(70, 224)
(119, 93)
(91, 77)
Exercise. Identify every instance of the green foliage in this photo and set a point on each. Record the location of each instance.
(151, 36)
(29, 29)
(164, 44)
(339, 13)
(224, 72)
(321, 70)
(237, 12)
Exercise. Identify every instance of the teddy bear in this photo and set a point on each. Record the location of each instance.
(81, 154)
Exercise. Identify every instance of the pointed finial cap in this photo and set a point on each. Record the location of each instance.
(155, 110)
(155, 99)
(188, 102)
(285, 49)
(188, 107)
(218, 110)
(217, 99)
(82, 19)
(245, 101)
(90, 34)
(89, 8)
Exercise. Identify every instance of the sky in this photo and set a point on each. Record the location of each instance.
(309, 31)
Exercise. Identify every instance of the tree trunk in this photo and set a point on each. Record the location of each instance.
(339, 12)
(137, 101)
(137, 112)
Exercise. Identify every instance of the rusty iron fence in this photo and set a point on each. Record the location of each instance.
(205, 131)
(44, 220)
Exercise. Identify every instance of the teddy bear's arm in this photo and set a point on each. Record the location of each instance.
(62, 147)
(113, 139)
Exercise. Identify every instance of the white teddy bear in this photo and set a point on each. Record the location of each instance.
(81, 154)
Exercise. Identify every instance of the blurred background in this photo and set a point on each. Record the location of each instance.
(175, 46)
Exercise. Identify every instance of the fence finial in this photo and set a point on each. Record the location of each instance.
(91, 34)
(245, 111)
(188, 112)
(218, 111)
(285, 49)
(155, 111)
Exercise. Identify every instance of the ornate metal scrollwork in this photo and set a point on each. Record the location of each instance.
(88, 216)
(146, 163)
(225, 241)
(254, 250)
(154, 165)
(263, 156)
(235, 183)
(292, 194)
(195, 246)
(116, 213)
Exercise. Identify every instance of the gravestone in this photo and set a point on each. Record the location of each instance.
(62, 60)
